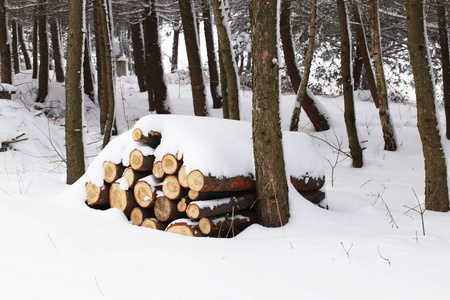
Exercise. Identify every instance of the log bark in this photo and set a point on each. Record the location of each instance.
(201, 183)
(157, 170)
(97, 195)
(194, 195)
(313, 196)
(307, 183)
(227, 225)
(154, 224)
(133, 176)
(152, 139)
(166, 210)
(183, 177)
(209, 208)
(141, 162)
(172, 188)
(112, 171)
(170, 164)
(139, 214)
(145, 192)
(184, 227)
(121, 199)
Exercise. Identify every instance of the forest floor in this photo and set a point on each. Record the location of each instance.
(369, 244)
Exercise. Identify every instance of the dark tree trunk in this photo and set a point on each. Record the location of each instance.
(138, 55)
(223, 87)
(88, 76)
(212, 63)
(271, 185)
(228, 60)
(318, 120)
(43, 53)
(5, 50)
(101, 65)
(383, 109)
(349, 113)
(74, 93)
(357, 65)
(176, 38)
(15, 48)
(59, 72)
(443, 40)
(35, 48)
(365, 54)
(156, 65)
(23, 48)
(436, 187)
(195, 64)
(148, 68)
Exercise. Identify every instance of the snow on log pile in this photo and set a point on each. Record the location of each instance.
(193, 175)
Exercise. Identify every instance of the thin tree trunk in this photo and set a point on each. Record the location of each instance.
(357, 65)
(138, 55)
(156, 65)
(365, 54)
(390, 143)
(228, 59)
(271, 185)
(349, 111)
(43, 53)
(195, 65)
(74, 93)
(318, 120)
(35, 48)
(5, 50)
(212, 63)
(88, 77)
(23, 48)
(443, 40)
(15, 48)
(304, 83)
(436, 186)
(176, 38)
(223, 87)
(59, 72)
(101, 65)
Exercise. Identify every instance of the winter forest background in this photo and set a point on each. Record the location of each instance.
(335, 113)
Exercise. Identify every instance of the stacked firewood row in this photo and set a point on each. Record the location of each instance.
(163, 195)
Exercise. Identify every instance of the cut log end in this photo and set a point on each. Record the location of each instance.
(144, 194)
(117, 197)
(205, 225)
(166, 210)
(196, 180)
(192, 211)
(96, 195)
(181, 228)
(170, 164)
(152, 140)
(183, 177)
(137, 135)
(136, 216)
(133, 176)
(172, 188)
(112, 171)
(141, 162)
(157, 170)
(149, 223)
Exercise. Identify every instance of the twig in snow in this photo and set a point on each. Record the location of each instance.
(388, 211)
(379, 253)
(345, 250)
(98, 287)
(52, 241)
(418, 209)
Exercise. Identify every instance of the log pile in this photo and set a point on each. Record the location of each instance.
(168, 195)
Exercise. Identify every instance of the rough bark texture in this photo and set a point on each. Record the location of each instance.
(166, 210)
(445, 60)
(156, 64)
(138, 55)
(88, 78)
(59, 72)
(357, 65)
(15, 48)
(223, 87)
(304, 84)
(365, 54)
(74, 94)
(349, 113)
(199, 182)
(383, 108)
(5, 50)
(307, 183)
(195, 64)
(23, 48)
(229, 64)
(209, 208)
(271, 184)
(102, 96)
(43, 53)
(318, 120)
(436, 187)
(176, 39)
(212, 62)
(227, 225)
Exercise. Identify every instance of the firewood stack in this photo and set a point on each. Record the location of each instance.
(168, 195)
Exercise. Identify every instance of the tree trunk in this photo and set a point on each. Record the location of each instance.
(88, 78)
(23, 48)
(193, 53)
(309, 56)
(43, 53)
(5, 50)
(15, 48)
(357, 65)
(35, 48)
(102, 96)
(59, 72)
(390, 143)
(228, 59)
(74, 93)
(223, 87)
(216, 207)
(445, 60)
(212, 63)
(365, 54)
(271, 184)
(138, 55)
(148, 68)
(349, 110)
(436, 187)
(176, 38)
(318, 120)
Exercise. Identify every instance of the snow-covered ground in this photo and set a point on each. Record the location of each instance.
(368, 245)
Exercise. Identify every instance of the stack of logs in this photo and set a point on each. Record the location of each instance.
(162, 195)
